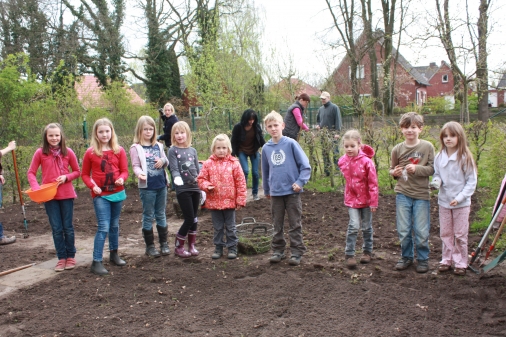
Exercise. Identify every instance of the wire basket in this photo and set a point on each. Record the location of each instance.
(254, 237)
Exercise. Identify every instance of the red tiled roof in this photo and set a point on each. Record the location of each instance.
(90, 94)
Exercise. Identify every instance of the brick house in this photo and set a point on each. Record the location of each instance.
(413, 85)
(496, 95)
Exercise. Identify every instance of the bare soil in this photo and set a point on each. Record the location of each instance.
(248, 296)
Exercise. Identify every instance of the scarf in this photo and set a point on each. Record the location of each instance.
(56, 152)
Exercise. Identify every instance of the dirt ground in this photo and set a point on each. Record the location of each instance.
(248, 296)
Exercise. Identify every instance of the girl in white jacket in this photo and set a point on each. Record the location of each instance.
(455, 176)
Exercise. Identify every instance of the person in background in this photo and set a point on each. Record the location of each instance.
(5, 240)
(169, 119)
(294, 118)
(149, 162)
(223, 181)
(329, 117)
(247, 139)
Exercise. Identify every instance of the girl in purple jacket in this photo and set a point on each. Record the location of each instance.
(360, 194)
(55, 159)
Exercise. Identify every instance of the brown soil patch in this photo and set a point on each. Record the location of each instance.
(198, 296)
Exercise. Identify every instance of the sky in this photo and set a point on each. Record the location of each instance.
(297, 35)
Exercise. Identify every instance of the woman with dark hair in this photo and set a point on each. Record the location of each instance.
(247, 138)
(294, 118)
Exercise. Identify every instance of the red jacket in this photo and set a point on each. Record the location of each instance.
(227, 177)
(361, 180)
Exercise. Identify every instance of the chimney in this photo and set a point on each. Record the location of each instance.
(432, 64)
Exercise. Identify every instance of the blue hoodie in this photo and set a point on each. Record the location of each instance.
(283, 164)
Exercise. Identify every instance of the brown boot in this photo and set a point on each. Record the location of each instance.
(350, 261)
(366, 257)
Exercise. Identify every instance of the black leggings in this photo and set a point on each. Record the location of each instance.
(189, 203)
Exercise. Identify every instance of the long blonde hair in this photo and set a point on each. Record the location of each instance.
(140, 126)
(95, 142)
(464, 155)
(181, 126)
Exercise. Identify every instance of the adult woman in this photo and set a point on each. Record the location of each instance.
(247, 138)
(169, 119)
(294, 118)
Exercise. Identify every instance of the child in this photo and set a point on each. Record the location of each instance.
(105, 169)
(360, 195)
(285, 170)
(5, 240)
(184, 167)
(224, 182)
(148, 162)
(55, 158)
(412, 163)
(455, 176)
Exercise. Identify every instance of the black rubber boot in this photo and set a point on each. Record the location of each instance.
(115, 259)
(162, 237)
(98, 268)
(149, 238)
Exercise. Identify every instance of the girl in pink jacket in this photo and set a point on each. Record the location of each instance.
(55, 159)
(223, 181)
(360, 194)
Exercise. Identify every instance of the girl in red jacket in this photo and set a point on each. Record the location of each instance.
(360, 194)
(105, 170)
(55, 159)
(223, 181)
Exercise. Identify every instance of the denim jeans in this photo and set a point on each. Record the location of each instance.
(224, 221)
(254, 158)
(153, 207)
(292, 205)
(413, 218)
(108, 224)
(360, 218)
(189, 202)
(60, 214)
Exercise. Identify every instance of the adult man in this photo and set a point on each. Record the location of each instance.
(329, 116)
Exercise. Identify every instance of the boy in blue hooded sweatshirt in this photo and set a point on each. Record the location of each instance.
(285, 170)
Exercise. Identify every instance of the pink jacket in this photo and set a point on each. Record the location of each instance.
(361, 180)
(51, 171)
(227, 177)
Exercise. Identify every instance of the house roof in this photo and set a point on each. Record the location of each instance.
(430, 70)
(502, 82)
(299, 85)
(419, 77)
(90, 94)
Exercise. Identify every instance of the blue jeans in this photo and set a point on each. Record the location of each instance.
(360, 218)
(60, 214)
(153, 207)
(254, 158)
(108, 224)
(413, 217)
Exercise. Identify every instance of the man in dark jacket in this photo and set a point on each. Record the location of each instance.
(329, 116)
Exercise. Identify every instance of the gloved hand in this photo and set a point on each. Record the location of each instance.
(178, 181)
(160, 111)
(435, 184)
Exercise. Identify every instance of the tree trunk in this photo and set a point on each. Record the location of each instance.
(482, 64)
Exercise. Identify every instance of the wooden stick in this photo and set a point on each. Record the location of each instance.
(16, 269)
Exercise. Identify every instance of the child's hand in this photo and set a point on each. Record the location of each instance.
(296, 188)
(373, 209)
(142, 176)
(119, 182)
(97, 190)
(2, 179)
(159, 163)
(397, 171)
(411, 168)
(210, 187)
(454, 203)
(61, 179)
(12, 145)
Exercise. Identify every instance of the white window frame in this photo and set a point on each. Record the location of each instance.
(360, 71)
(443, 78)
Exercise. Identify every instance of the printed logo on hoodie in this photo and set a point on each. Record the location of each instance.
(278, 158)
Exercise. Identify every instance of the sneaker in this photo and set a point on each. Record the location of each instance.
(350, 261)
(277, 257)
(70, 263)
(256, 197)
(460, 271)
(232, 253)
(60, 266)
(403, 263)
(366, 257)
(6, 240)
(422, 266)
(443, 267)
(218, 252)
(294, 260)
